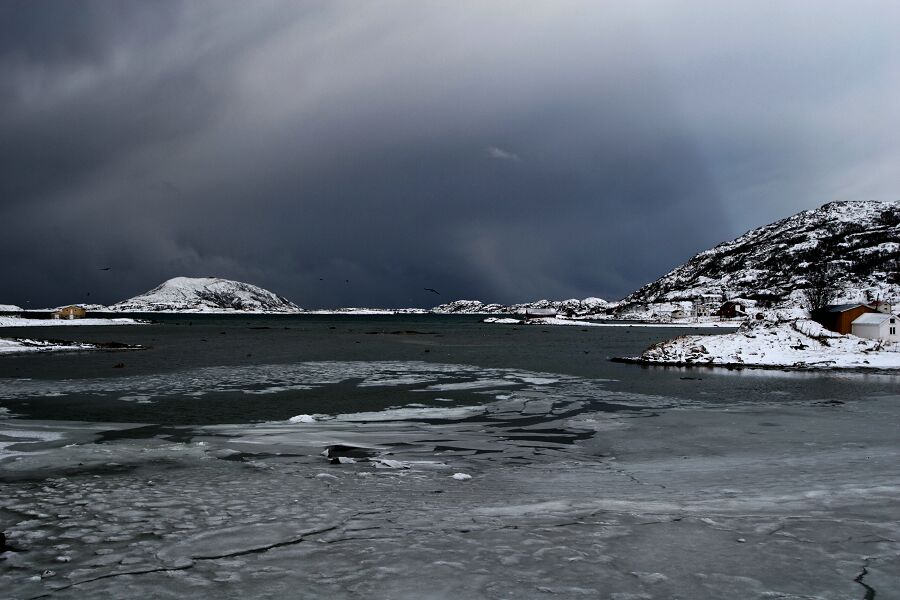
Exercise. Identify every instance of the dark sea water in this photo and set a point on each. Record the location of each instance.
(185, 355)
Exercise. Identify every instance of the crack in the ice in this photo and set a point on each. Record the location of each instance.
(267, 547)
(355, 539)
(109, 576)
(635, 479)
(870, 591)
(193, 559)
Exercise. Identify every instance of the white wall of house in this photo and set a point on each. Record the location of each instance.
(888, 329)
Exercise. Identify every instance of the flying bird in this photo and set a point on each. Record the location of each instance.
(432, 290)
(105, 268)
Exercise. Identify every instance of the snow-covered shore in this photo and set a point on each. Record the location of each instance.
(593, 323)
(799, 344)
(23, 322)
(21, 345)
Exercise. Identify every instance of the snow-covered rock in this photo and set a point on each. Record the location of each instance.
(797, 343)
(206, 294)
(10, 308)
(302, 419)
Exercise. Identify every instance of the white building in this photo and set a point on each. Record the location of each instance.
(877, 326)
(706, 305)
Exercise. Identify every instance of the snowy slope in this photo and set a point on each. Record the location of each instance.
(859, 241)
(798, 344)
(10, 308)
(206, 294)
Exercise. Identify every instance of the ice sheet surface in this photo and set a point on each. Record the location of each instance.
(572, 491)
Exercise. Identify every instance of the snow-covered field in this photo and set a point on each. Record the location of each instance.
(22, 322)
(535, 493)
(798, 344)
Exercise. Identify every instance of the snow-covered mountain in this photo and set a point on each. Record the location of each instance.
(572, 307)
(857, 244)
(206, 294)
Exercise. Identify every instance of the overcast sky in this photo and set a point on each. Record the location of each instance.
(505, 151)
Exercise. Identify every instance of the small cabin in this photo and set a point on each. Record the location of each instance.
(70, 312)
(877, 326)
(731, 310)
(839, 317)
(882, 307)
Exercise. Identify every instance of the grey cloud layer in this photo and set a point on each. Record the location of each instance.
(503, 151)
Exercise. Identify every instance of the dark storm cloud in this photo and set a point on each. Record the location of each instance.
(503, 151)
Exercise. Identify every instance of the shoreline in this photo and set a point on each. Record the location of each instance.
(733, 366)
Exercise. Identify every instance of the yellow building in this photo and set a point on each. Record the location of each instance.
(70, 312)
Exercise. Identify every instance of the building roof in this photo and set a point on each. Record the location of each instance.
(873, 318)
(839, 308)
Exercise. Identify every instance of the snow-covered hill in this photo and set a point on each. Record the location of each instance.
(573, 307)
(10, 308)
(206, 294)
(858, 243)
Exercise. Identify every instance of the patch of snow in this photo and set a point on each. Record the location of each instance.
(461, 476)
(19, 345)
(302, 419)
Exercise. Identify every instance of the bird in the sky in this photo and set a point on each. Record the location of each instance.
(105, 268)
(432, 290)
